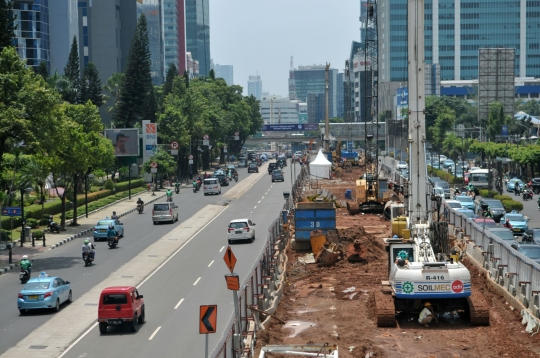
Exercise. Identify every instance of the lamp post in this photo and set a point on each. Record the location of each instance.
(23, 190)
(86, 177)
(130, 168)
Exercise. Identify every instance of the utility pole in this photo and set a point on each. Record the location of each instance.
(327, 123)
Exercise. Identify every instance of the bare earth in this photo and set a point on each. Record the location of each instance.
(317, 310)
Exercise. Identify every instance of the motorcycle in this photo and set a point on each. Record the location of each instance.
(527, 194)
(471, 194)
(517, 191)
(177, 190)
(54, 227)
(235, 177)
(538, 203)
(196, 187)
(24, 276)
(87, 258)
(140, 208)
(112, 242)
(169, 199)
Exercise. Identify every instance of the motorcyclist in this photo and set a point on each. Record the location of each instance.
(141, 203)
(507, 223)
(112, 234)
(177, 187)
(195, 184)
(169, 194)
(26, 265)
(470, 189)
(538, 202)
(517, 188)
(89, 247)
(488, 214)
(114, 216)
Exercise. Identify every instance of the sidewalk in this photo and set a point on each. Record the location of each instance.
(122, 207)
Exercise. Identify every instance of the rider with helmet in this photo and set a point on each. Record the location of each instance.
(89, 247)
(26, 264)
(141, 203)
(114, 216)
(169, 194)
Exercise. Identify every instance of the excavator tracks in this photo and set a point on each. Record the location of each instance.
(478, 310)
(385, 311)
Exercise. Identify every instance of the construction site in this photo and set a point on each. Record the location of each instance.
(333, 300)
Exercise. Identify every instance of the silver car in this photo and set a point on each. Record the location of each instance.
(164, 212)
(211, 186)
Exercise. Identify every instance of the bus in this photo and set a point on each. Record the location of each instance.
(480, 178)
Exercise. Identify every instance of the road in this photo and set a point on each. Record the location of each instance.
(65, 262)
(193, 277)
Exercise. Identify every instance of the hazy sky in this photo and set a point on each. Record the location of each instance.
(262, 35)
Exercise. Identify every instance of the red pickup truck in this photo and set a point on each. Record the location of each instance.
(119, 306)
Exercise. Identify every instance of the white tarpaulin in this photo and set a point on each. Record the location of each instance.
(320, 168)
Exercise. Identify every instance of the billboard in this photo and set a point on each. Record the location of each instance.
(125, 141)
(289, 127)
(149, 139)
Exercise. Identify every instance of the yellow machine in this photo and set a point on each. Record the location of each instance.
(371, 193)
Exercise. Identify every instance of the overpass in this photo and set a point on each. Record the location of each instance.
(338, 131)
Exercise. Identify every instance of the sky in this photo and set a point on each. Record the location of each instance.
(260, 36)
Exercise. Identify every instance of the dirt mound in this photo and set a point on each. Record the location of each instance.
(372, 243)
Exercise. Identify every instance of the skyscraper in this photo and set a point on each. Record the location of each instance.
(197, 32)
(455, 30)
(63, 26)
(225, 72)
(152, 10)
(32, 34)
(255, 86)
(174, 44)
(311, 79)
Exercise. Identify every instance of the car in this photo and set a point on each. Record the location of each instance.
(453, 204)
(467, 212)
(298, 153)
(511, 185)
(241, 229)
(223, 179)
(271, 167)
(502, 233)
(459, 172)
(474, 168)
(44, 292)
(466, 201)
(463, 165)
(448, 163)
(495, 206)
(404, 172)
(277, 175)
(242, 163)
(211, 186)
(517, 221)
(253, 168)
(102, 226)
(281, 161)
(432, 180)
(532, 251)
(297, 159)
(120, 306)
(164, 212)
(444, 186)
(466, 177)
(231, 167)
(531, 235)
(441, 158)
(289, 155)
(435, 165)
(402, 165)
(485, 222)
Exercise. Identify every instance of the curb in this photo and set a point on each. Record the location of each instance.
(70, 238)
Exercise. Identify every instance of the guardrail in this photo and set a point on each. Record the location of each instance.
(262, 289)
(518, 275)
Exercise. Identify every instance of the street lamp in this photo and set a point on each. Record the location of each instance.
(86, 177)
(130, 168)
(23, 190)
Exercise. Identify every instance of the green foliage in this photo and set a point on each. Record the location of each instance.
(109, 185)
(38, 234)
(113, 86)
(495, 121)
(531, 107)
(91, 85)
(336, 120)
(42, 70)
(7, 24)
(5, 235)
(137, 100)
(72, 72)
(485, 193)
(165, 162)
(510, 205)
(502, 197)
(172, 73)
(33, 223)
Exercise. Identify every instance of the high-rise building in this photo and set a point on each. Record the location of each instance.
(152, 10)
(32, 34)
(255, 86)
(195, 20)
(174, 43)
(63, 26)
(455, 31)
(316, 107)
(311, 79)
(340, 96)
(277, 110)
(225, 72)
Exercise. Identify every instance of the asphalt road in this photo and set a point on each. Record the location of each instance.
(193, 277)
(65, 261)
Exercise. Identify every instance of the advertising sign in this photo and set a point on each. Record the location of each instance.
(402, 95)
(434, 284)
(504, 131)
(11, 211)
(125, 141)
(284, 127)
(149, 139)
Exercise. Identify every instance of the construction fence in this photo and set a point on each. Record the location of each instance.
(261, 290)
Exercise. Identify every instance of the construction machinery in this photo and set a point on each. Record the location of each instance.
(422, 267)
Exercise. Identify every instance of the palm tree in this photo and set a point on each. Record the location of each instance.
(35, 173)
(113, 88)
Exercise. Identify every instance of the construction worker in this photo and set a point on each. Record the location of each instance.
(427, 315)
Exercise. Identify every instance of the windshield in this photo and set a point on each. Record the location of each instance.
(454, 205)
(37, 285)
(504, 234)
(479, 177)
(104, 223)
(531, 252)
(515, 217)
(464, 199)
(442, 184)
(495, 204)
(114, 299)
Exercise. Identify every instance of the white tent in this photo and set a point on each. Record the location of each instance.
(320, 168)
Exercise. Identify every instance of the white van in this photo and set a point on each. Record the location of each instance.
(211, 186)
(480, 178)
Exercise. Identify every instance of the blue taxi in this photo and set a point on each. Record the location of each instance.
(44, 292)
(101, 228)
(517, 222)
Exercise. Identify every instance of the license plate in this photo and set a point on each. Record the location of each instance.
(161, 216)
(103, 230)
(115, 322)
(33, 297)
(238, 232)
(517, 230)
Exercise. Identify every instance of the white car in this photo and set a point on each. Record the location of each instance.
(402, 165)
(241, 229)
(442, 158)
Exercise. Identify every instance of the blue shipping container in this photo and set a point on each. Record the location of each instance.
(313, 216)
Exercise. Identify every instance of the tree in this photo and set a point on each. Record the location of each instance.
(336, 120)
(137, 100)
(113, 86)
(531, 107)
(496, 120)
(165, 162)
(7, 24)
(27, 107)
(172, 73)
(443, 123)
(91, 86)
(42, 70)
(36, 173)
(72, 72)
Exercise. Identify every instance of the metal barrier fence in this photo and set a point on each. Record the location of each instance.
(513, 271)
(261, 290)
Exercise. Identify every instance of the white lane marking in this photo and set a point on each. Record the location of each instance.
(78, 340)
(259, 202)
(179, 303)
(210, 264)
(255, 207)
(155, 332)
(177, 251)
(222, 249)
(262, 198)
(196, 281)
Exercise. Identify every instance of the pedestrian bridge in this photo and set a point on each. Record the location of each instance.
(338, 131)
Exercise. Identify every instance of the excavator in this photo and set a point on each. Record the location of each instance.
(423, 269)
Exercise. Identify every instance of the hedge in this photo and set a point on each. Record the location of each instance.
(485, 193)
(502, 197)
(510, 205)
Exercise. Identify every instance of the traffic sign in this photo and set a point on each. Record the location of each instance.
(11, 211)
(236, 133)
(230, 259)
(174, 145)
(190, 157)
(225, 149)
(206, 137)
(233, 282)
(208, 319)
(153, 164)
